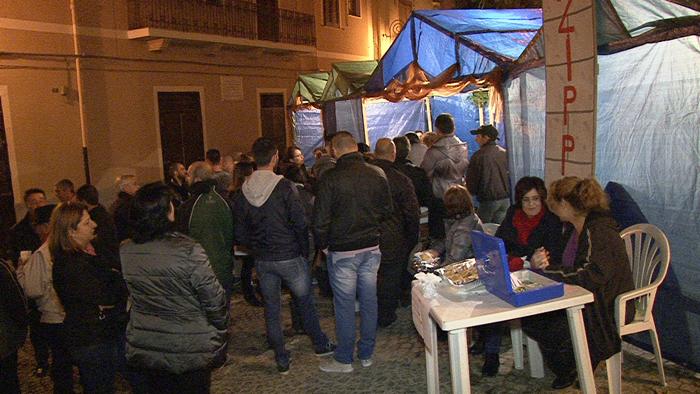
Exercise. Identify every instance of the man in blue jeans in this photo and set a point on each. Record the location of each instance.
(353, 200)
(269, 219)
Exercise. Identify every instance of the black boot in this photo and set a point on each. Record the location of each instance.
(252, 300)
(477, 348)
(491, 364)
(565, 380)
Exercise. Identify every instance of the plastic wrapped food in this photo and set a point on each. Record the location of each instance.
(425, 261)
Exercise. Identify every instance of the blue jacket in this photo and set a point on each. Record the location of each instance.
(269, 218)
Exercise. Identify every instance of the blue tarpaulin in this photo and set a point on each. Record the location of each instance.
(466, 115)
(348, 116)
(525, 124)
(477, 40)
(649, 141)
(389, 120)
(308, 132)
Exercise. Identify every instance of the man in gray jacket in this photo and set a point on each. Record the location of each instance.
(446, 164)
(487, 176)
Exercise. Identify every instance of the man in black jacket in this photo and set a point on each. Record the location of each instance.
(176, 178)
(353, 200)
(105, 233)
(23, 238)
(269, 219)
(399, 233)
(22, 235)
(128, 186)
(487, 176)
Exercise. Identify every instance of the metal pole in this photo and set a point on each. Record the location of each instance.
(429, 113)
(79, 83)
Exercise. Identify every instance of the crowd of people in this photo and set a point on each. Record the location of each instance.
(143, 288)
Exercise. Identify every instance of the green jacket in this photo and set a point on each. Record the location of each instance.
(206, 216)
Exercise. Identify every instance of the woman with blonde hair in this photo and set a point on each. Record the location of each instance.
(594, 258)
(93, 294)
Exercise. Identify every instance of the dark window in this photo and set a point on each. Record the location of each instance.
(272, 118)
(331, 13)
(354, 8)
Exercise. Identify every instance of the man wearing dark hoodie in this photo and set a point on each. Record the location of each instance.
(206, 216)
(446, 163)
(270, 221)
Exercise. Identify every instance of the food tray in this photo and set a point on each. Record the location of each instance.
(467, 267)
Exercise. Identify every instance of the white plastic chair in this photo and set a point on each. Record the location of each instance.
(534, 355)
(648, 250)
(490, 228)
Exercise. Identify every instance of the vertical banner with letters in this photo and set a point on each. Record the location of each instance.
(571, 63)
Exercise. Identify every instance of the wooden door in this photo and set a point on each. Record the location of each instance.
(181, 134)
(7, 200)
(272, 119)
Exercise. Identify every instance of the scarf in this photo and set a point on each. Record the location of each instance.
(525, 225)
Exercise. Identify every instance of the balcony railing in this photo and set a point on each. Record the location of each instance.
(231, 18)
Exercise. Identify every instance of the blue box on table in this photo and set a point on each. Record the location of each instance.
(492, 265)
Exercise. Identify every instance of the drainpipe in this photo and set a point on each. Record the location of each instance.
(79, 82)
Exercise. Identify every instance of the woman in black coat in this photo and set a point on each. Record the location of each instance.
(529, 227)
(93, 295)
(177, 332)
(594, 258)
(13, 326)
(530, 232)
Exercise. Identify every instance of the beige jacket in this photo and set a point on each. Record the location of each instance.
(37, 281)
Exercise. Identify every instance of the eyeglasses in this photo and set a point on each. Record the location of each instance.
(534, 200)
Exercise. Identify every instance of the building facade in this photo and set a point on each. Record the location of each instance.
(102, 88)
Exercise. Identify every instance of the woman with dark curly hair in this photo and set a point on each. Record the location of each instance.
(530, 229)
(530, 232)
(179, 317)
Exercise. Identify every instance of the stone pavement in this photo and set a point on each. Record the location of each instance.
(399, 365)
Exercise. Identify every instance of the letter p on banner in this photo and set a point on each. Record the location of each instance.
(568, 144)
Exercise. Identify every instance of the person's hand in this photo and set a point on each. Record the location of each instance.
(24, 256)
(540, 259)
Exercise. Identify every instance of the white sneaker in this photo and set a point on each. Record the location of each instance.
(366, 363)
(332, 365)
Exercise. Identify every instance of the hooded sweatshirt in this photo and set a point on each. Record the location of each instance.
(259, 186)
(446, 163)
(269, 218)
